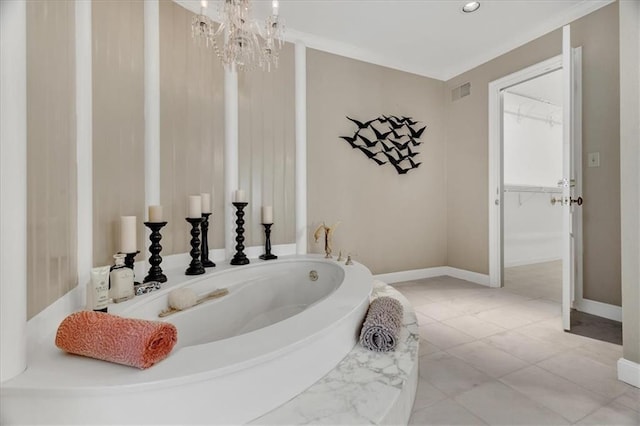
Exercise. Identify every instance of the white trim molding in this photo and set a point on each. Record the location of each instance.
(495, 158)
(599, 309)
(438, 271)
(629, 372)
(152, 101)
(13, 188)
(84, 146)
(301, 146)
(231, 166)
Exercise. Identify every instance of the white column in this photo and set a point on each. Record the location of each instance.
(151, 107)
(84, 138)
(301, 146)
(230, 157)
(629, 365)
(152, 101)
(13, 188)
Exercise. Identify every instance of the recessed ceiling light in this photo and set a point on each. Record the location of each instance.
(472, 6)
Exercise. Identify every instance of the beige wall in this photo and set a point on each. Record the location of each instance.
(467, 155)
(118, 123)
(51, 153)
(266, 148)
(390, 222)
(191, 129)
(630, 175)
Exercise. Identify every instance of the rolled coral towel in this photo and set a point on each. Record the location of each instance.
(382, 325)
(135, 342)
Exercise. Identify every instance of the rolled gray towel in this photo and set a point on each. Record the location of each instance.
(382, 325)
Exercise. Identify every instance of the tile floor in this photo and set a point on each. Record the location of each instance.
(543, 280)
(500, 356)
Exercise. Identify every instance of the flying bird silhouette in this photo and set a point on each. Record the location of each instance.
(416, 134)
(399, 145)
(380, 162)
(411, 154)
(393, 160)
(394, 123)
(413, 164)
(396, 134)
(414, 142)
(400, 170)
(360, 124)
(386, 147)
(352, 141)
(369, 153)
(367, 142)
(380, 136)
(409, 121)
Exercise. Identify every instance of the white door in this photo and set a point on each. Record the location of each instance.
(571, 181)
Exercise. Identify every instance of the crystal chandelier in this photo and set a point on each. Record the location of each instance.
(239, 40)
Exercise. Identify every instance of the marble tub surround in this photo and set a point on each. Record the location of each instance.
(365, 387)
(228, 379)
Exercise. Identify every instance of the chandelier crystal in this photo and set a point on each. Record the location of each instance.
(240, 41)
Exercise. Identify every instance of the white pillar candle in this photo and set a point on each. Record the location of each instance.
(275, 5)
(155, 214)
(206, 202)
(267, 214)
(128, 234)
(195, 207)
(240, 197)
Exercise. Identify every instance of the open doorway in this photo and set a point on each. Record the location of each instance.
(532, 166)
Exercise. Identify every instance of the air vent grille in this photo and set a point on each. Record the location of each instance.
(461, 91)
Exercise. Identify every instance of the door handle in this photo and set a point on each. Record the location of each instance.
(577, 201)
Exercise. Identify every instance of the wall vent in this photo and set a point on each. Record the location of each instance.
(461, 91)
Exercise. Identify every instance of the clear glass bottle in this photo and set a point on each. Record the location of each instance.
(121, 278)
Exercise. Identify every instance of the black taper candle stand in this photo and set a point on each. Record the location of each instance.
(195, 267)
(240, 258)
(129, 261)
(267, 243)
(155, 271)
(204, 252)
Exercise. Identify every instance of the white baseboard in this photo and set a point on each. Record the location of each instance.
(438, 271)
(529, 261)
(413, 274)
(599, 309)
(629, 372)
(463, 274)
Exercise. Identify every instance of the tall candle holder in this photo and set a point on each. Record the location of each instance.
(204, 252)
(195, 267)
(155, 271)
(267, 243)
(240, 258)
(129, 260)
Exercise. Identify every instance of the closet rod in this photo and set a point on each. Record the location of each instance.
(533, 117)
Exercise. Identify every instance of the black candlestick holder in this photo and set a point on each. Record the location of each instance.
(155, 271)
(267, 243)
(129, 260)
(240, 258)
(195, 267)
(204, 251)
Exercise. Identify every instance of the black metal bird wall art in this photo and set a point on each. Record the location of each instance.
(389, 138)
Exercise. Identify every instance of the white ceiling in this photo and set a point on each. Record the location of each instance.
(433, 38)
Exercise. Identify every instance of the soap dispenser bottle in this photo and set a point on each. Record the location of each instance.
(121, 279)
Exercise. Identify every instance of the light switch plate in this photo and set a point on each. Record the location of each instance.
(594, 159)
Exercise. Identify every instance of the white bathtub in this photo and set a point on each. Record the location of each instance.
(237, 358)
